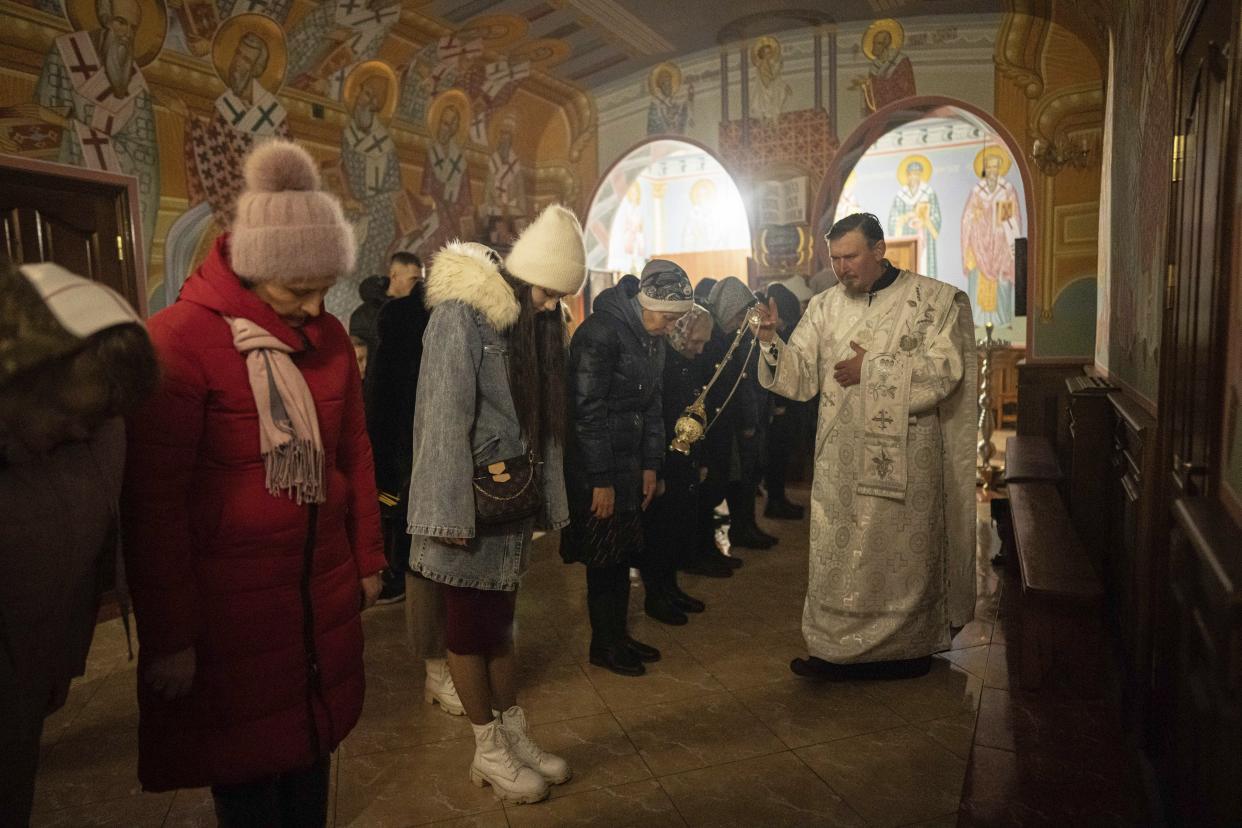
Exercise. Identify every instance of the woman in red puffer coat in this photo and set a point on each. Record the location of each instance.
(252, 527)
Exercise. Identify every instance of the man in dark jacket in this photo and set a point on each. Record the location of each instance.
(616, 446)
(404, 271)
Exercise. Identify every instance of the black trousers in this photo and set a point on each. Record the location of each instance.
(608, 603)
(670, 534)
(782, 434)
(294, 799)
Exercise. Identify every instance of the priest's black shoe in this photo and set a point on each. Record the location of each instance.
(643, 652)
(686, 603)
(663, 608)
(617, 658)
(744, 537)
(817, 668)
(783, 510)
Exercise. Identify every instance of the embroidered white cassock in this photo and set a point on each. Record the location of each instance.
(106, 131)
(892, 546)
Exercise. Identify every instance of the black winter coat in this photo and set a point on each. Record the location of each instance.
(616, 422)
(683, 379)
(740, 413)
(391, 389)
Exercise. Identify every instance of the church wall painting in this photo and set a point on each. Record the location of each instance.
(949, 183)
(361, 83)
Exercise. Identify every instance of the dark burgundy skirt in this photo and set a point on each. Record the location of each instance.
(477, 621)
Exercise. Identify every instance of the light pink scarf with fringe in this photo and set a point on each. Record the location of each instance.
(288, 425)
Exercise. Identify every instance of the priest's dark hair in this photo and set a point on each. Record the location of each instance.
(405, 257)
(867, 223)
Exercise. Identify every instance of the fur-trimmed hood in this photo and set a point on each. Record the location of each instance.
(467, 272)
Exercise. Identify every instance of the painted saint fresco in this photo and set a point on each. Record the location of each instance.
(890, 76)
(671, 109)
(329, 42)
(249, 56)
(991, 221)
(91, 86)
(916, 210)
(770, 91)
(370, 173)
(445, 182)
(505, 191)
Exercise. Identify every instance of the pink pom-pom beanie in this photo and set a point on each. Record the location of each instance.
(288, 230)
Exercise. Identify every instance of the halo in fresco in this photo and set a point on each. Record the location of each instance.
(148, 40)
(456, 99)
(666, 68)
(362, 73)
(992, 150)
(905, 165)
(507, 119)
(541, 54)
(230, 33)
(887, 24)
(774, 46)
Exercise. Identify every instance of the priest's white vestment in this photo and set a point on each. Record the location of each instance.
(892, 547)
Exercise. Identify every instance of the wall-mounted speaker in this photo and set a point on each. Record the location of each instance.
(1019, 277)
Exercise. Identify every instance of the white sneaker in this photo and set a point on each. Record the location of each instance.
(552, 768)
(439, 688)
(495, 764)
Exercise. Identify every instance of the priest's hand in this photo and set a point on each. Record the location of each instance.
(848, 372)
(769, 321)
(649, 487)
(602, 500)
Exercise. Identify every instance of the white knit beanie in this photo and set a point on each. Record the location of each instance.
(550, 253)
(288, 230)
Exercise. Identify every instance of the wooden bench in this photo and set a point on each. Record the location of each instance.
(1059, 624)
(1029, 458)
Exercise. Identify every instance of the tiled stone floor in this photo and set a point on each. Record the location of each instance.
(718, 733)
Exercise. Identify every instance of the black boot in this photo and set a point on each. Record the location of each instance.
(662, 607)
(748, 537)
(643, 652)
(684, 602)
(817, 668)
(608, 648)
(617, 658)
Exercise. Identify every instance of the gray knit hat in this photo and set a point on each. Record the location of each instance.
(728, 298)
(665, 287)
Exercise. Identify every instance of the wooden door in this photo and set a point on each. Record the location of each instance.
(83, 220)
(1198, 660)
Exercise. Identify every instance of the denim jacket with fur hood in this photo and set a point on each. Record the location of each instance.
(465, 417)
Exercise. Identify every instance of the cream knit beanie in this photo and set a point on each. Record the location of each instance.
(288, 230)
(550, 253)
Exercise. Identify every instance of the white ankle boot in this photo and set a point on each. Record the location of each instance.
(496, 764)
(552, 768)
(439, 687)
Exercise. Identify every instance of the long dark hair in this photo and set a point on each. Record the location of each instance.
(537, 370)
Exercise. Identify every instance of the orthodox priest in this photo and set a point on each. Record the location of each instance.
(891, 354)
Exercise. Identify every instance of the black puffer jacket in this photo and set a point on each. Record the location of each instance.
(364, 321)
(616, 422)
(683, 379)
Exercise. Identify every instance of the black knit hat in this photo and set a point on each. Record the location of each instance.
(665, 287)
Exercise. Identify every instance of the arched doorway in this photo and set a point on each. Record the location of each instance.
(952, 190)
(667, 198)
